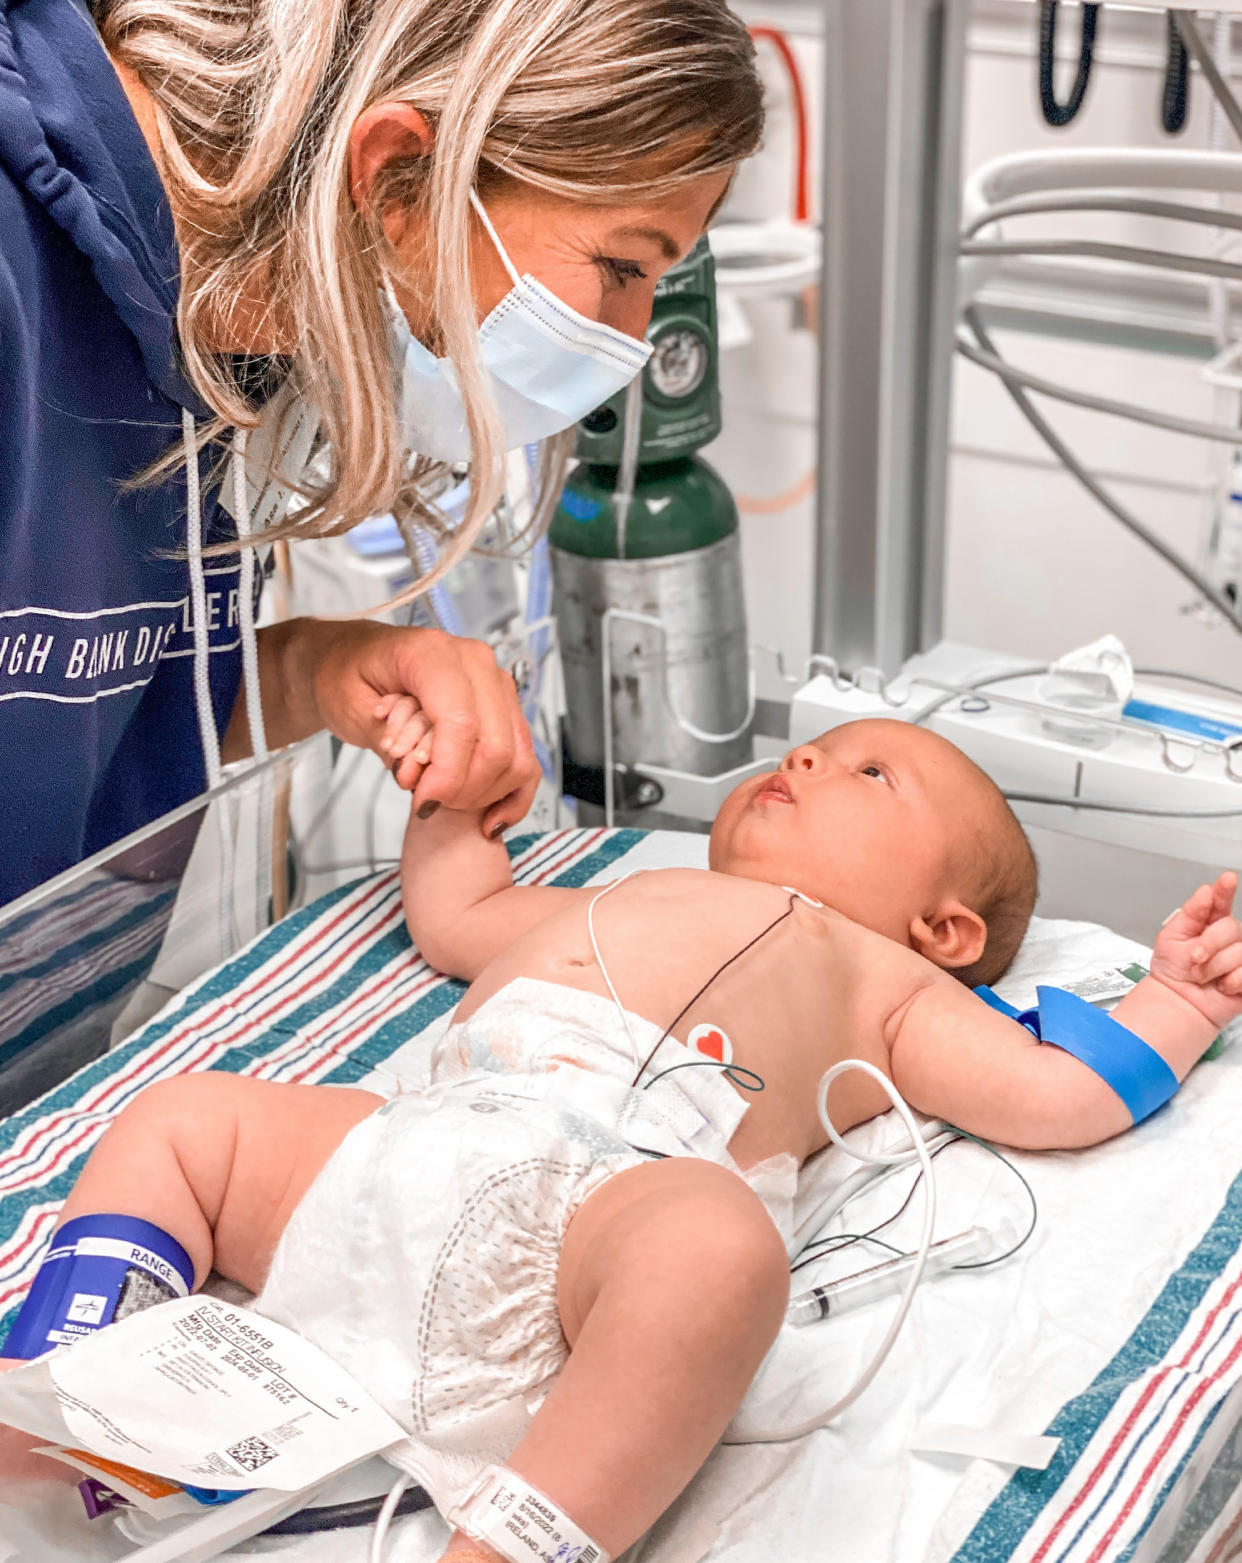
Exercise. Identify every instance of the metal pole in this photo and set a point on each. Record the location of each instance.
(891, 199)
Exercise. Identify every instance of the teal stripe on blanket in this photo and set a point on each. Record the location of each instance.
(1019, 1504)
(277, 1047)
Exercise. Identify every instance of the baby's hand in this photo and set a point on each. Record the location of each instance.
(1198, 952)
(406, 744)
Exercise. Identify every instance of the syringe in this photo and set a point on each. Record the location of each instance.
(852, 1291)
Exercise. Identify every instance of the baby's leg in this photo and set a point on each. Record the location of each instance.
(672, 1285)
(219, 1162)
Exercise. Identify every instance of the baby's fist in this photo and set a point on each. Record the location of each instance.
(1198, 952)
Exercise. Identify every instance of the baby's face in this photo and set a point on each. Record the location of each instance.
(873, 819)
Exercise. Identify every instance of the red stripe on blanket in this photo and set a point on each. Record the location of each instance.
(1120, 1436)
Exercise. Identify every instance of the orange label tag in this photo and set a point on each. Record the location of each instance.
(141, 1481)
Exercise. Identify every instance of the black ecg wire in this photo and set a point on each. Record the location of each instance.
(844, 1240)
(1055, 112)
(685, 1010)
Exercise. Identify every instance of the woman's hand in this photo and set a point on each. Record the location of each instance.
(338, 674)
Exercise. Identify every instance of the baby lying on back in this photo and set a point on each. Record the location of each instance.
(548, 1265)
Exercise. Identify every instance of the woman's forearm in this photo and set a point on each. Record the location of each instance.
(290, 654)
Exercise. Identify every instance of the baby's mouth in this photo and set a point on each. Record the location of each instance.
(775, 789)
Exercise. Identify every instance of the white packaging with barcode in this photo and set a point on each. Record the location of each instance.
(204, 1393)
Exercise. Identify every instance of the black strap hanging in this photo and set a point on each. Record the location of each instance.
(1176, 95)
(1055, 112)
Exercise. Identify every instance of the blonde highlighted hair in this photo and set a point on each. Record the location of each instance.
(599, 101)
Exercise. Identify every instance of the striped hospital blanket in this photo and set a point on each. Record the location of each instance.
(335, 991)
(324, 997)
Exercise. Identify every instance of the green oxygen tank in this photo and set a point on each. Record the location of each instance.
(646, 527)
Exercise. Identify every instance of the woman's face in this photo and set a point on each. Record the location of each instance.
(603, 261)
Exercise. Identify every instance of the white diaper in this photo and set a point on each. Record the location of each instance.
(424, 1256)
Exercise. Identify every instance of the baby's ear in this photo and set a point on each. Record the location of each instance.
(952, 936)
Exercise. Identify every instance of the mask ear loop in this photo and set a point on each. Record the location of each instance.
(481, 213)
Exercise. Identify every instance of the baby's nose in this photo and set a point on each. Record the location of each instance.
(806, 757)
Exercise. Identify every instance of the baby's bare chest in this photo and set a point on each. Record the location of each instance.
(793, 987)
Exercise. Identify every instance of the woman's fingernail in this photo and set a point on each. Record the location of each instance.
(497, 831)
(427, 810)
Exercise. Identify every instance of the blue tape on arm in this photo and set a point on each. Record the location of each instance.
(1133, 1069)
(1025, 1017)
(994, 1001)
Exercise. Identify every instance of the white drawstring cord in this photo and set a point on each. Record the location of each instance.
(245, 600)
(207, 732)
(265, 867)
(209, 736)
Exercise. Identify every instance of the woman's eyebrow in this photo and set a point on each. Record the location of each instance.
(668, 246)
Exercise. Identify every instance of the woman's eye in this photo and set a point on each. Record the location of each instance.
(621, 271)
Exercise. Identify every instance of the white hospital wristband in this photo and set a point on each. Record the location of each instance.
(522, 1524)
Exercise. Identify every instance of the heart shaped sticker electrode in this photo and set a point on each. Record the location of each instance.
(711, 1042)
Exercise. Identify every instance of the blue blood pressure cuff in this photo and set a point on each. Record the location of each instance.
(1137, 1073)
(99, 1268)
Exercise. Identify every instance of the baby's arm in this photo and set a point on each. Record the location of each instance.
(954, 1058)
(461, 905)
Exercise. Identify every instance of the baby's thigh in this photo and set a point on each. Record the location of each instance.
(669, 1232)
(227, 1151)
(283, 1136)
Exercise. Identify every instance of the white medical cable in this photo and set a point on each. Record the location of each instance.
(208, 735)
(1191, 678)
(383, 1519)
(1150, 811)
(1066, 393)
(603, 969)
(1095, 249)
(1101, 806)
(1043, 205)
(1013, 381)
(891, 1159)
(867, 1180)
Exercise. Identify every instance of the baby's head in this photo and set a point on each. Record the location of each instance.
(893, 826)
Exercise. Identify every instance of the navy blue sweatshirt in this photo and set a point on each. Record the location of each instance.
(98, 733)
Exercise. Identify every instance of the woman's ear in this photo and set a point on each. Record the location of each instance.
(950, 937)
(381, 134)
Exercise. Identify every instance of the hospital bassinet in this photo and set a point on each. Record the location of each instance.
(1117, 1329)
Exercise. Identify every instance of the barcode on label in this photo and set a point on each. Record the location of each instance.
(251, 1454)
(588, 1555)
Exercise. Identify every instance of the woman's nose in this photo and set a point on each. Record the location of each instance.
(806, 757)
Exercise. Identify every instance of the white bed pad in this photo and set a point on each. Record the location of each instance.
(1115, 1329)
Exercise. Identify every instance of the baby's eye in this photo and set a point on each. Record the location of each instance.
(875, 770)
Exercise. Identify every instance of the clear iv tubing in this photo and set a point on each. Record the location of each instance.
(897, 1158)
(865, 1286)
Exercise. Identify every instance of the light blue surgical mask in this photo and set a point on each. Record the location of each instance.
(549, 367)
